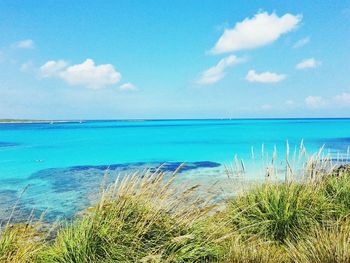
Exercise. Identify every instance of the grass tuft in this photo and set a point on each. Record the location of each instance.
(19, 243)
(141, 219)
(323, 245)
(277, 212)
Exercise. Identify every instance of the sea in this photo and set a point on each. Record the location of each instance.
(57, 168)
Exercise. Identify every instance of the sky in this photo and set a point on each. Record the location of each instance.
(163, 59)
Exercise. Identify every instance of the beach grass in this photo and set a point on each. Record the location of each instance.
(325, 244)
(146, 217)
(280, 212)
(20, 243)
(139, 219)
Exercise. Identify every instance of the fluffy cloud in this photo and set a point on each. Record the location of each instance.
(302, 42)
(315, 102)
(338, 101)
(53, 68)
(24, 44)
(264, 77)
(90, 75)
(343, 98)
(308, 63)
(85, 74)
(255, 32)
(128, 86)
(217, 72)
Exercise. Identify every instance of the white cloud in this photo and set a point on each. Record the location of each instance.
(88, 74)
(308, 63)
(338, 101)
(315, 102)
(255, 32)
(24, 44)
(264, 77)
(217, 72)
(301, 42)
(85, 74)
(128, 87)
(53, 68)
(343, 98)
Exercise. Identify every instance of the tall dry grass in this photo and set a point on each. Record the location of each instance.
(141, 218)
(326, 244)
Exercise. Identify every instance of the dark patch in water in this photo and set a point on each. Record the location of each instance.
(8, 196)
(8, 144)
(9, 181)
(170, 166)
(339, 139)
(76, 177)
(71, 189)
(189, 166)
(340, 144)
(8, 199)
(341, 160)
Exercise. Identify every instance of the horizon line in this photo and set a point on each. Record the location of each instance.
(175, 119)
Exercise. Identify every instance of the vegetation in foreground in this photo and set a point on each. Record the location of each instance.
(146, 219)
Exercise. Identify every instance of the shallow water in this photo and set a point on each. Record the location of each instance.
(64, 162)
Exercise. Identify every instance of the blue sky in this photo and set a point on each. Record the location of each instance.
(174, 59)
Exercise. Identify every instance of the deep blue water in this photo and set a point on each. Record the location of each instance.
(64, 162)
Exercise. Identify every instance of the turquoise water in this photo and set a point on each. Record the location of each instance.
(63, 162)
